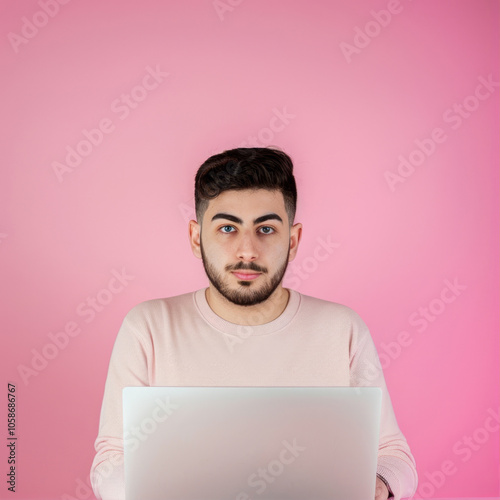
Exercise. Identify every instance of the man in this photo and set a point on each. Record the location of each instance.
(245, 328)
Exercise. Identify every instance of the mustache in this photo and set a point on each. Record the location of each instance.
(248, 267)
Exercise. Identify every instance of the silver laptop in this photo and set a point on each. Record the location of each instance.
(247, 443)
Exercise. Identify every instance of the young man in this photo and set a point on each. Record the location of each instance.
(245, 328)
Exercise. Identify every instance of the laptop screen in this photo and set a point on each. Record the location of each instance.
(243, 443)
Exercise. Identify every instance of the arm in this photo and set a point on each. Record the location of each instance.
(396, 465)
(128, 367)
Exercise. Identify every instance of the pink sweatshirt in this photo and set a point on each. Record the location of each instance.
(180, 341)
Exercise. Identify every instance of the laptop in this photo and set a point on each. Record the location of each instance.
(247, 443)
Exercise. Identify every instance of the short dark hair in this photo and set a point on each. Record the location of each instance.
(245, 168)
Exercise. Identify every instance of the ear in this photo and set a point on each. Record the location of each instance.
(295, 235)
(194, 238)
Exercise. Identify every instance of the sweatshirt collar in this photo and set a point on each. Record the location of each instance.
(224, 326)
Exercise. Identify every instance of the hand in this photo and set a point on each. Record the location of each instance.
(381, 491)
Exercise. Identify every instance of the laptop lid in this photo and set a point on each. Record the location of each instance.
(245, 443)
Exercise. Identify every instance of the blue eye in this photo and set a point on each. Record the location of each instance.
(227, 232)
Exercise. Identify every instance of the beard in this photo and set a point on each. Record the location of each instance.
(247, 294)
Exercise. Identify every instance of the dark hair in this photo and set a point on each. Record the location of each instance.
(245, 168)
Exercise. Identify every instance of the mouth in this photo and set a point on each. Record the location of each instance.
(246, 276)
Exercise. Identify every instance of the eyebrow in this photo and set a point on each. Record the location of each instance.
(258, 220)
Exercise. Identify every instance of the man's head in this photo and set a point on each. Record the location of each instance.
(245, 205)
(246, 168)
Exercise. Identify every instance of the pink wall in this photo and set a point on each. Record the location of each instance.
(360, 90)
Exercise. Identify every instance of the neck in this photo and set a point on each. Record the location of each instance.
(257, 314)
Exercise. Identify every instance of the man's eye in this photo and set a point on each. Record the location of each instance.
(224, 227)
(267, 228)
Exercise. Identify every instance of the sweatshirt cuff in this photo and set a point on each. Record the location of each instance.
(108, 481)
(400, 476)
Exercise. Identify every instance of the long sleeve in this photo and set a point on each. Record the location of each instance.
(395, 461)
(128, 367)
(181, 341)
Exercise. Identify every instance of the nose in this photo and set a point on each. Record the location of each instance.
(247, 247)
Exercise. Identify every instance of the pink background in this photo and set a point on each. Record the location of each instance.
(350, 117)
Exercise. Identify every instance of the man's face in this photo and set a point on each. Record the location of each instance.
(246, 232)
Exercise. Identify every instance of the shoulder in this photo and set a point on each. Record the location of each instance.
(152, 310)
(332, 311)
(341, 321)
